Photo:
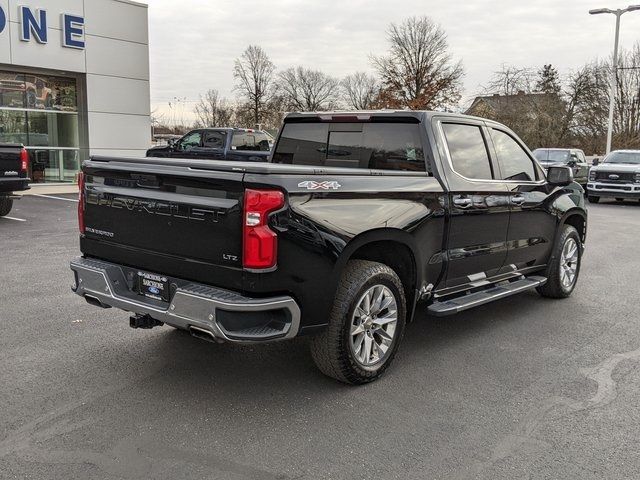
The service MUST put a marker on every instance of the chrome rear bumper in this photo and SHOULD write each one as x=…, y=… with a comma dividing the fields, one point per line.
x=226, y=315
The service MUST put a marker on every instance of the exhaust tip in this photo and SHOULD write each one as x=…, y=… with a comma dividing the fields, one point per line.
x=203, y=334
x=95, y=301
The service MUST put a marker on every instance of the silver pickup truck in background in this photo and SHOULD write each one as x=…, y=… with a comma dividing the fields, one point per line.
x=617, y=176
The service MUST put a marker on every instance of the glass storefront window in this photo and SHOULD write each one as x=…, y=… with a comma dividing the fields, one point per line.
x=13, y=126
x=40, y=111
x=52, y=129
x=41, y=92
x=48, y=165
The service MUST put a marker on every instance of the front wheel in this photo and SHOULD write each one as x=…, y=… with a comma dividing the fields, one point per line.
x=366, y=324
x=564, y=265
x=593, y=199
x=6, y=204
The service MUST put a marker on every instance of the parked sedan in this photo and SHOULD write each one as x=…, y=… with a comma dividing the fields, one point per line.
x=571, y=157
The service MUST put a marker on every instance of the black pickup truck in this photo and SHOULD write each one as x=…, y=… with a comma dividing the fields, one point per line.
x=238, y=144
x=357, y=218
x=14, y=174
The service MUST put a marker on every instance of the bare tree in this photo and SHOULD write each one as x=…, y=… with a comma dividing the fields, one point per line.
x=254, y=75
x=529, y=103
x=627, y=103
x=307, y=90
x=587, y=98
x=360, y=90
x=213, y=111
x=510, y=80
x=418, y=71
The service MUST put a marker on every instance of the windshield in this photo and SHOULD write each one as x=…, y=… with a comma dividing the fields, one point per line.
x=552, y=155
x=632, y=158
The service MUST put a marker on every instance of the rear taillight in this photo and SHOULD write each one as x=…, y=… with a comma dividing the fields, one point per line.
x=24, y=160
x=260, y=243
x=81, y=202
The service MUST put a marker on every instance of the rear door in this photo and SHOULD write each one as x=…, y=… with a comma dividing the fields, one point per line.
x=164, y=218
x=212, y=146
x=249, y=146
x=532, y=226
x=478, y=204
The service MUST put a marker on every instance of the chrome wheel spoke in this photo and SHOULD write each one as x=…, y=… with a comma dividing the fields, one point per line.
x=382, y=333
x=388, y=318
x=356, y=329
x=366, y=349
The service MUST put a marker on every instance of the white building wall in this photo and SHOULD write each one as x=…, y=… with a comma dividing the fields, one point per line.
x=115, y=61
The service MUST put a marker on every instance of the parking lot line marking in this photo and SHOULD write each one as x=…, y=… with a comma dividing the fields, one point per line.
x=16, y=219
x=56, y=198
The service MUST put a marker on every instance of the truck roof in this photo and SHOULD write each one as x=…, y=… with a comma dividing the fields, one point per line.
x=420, y=115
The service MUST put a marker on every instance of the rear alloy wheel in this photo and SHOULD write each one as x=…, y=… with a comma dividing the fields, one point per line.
x=564, y=265
x=593, y=199
x=6, y=204
x=373, y=326
x=366, y=324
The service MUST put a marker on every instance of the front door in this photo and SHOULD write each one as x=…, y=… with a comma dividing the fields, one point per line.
x=532, y=226
x=186, y=145
x=479, y=207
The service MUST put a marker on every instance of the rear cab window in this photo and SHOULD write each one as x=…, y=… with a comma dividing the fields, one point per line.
x=249, y=141
x=375, y=145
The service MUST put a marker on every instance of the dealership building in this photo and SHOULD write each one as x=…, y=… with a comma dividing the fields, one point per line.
x=74, y=81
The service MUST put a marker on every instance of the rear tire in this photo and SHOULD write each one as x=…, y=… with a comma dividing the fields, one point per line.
x=6, y=204
x=593, y=199
x=361, y=339
x=564, y=265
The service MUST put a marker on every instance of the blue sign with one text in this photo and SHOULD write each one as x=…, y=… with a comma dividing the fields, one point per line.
x=33, y=24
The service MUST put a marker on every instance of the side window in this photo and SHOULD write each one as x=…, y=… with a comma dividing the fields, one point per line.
x=250, y=142
x=514, y=162
x=468, y=150
x=244, y=142
x=213, y=139
x=581, y=156
x=189, y=141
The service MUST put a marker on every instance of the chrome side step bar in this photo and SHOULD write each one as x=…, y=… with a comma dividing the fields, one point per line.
x=465, y=302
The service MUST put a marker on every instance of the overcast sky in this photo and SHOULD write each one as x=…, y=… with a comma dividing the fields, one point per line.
x=193, y=43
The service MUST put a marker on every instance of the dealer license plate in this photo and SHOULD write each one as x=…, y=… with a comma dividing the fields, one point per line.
x=153, y=286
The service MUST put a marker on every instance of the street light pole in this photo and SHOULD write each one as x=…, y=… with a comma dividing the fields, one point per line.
x=614, y=74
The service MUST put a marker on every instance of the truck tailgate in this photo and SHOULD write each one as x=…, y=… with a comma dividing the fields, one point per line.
x=10, y=160
x=165, y=219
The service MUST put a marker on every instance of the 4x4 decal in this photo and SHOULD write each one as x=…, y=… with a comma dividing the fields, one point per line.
x=313, y=185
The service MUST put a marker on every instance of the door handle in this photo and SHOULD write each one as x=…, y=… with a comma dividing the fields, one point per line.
x=462, y=202
x=517, y=200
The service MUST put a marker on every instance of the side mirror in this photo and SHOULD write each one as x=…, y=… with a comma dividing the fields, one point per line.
x=171, y=142
x=596, y=162
x=560, y=176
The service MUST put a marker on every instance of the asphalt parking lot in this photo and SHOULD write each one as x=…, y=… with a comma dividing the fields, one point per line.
x=523, y=388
